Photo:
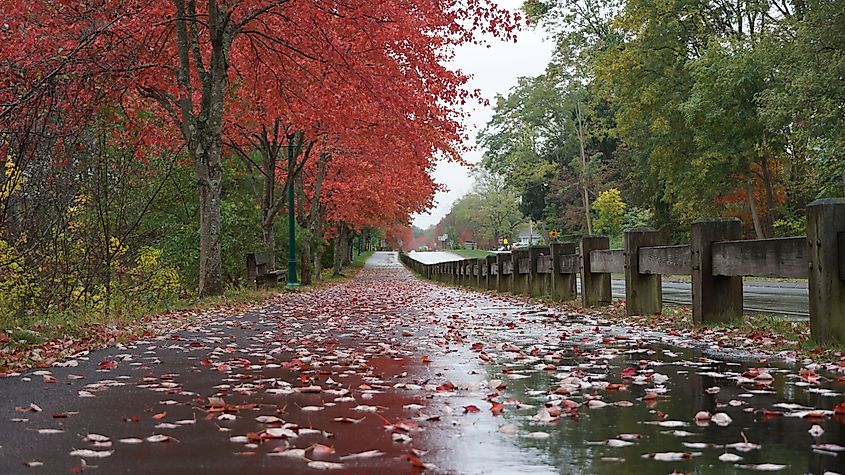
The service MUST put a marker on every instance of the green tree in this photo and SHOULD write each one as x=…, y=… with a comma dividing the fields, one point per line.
x=610, y=211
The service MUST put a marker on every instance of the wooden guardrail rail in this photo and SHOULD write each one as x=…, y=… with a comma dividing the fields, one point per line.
x=716, y=258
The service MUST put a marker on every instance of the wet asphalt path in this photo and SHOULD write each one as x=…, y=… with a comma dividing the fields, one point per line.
x=388, y=374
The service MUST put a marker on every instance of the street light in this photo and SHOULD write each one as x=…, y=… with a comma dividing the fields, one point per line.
x=293, y=282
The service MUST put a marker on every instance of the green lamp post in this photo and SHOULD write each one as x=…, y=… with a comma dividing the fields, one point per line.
x=293, y=281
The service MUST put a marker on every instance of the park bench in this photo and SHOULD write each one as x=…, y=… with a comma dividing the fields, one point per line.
x=258, y=271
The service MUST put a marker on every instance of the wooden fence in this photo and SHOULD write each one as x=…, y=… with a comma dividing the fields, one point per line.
x=716, y=259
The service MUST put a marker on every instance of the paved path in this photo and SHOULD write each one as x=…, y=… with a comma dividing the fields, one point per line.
x=388, y=374
x=435, y=257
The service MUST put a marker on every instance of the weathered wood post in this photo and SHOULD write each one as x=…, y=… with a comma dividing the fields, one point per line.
x=714, y=298
x=563, y=286
x=643, y=293
x=502, y=280
x=520, y=272
x=536, y=281
x=476, y=272
x=492, y=268
x=826, y=258
x=595, y=288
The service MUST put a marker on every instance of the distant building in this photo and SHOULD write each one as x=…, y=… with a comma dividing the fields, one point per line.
x=527, y=238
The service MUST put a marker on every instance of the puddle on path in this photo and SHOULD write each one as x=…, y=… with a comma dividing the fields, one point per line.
x=620, y=401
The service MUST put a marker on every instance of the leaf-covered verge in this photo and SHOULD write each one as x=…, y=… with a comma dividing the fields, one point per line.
x=42, y=342
x=755, y=336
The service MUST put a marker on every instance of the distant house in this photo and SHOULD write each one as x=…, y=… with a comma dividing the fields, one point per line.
x=526, y=238
x=470, y=245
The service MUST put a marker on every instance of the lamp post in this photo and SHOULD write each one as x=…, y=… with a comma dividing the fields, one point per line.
x=293, y=281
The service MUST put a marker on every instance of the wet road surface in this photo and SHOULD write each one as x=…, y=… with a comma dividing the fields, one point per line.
x=387, y=374
x=781, y=298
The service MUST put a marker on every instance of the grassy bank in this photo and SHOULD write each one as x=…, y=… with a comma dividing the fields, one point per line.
x=471, y=253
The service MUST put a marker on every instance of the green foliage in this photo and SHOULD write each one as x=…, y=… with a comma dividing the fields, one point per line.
x=610, y=210
x=635, y=217
x=18, y=290
x=156, y=280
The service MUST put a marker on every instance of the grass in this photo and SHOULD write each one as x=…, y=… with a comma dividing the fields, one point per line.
x=79, y=323
x=471, y=253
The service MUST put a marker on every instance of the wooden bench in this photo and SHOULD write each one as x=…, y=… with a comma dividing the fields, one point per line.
x=258, y=271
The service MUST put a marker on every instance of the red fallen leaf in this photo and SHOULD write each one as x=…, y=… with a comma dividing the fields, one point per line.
x=160, y=416
x=320, y=451
x=132, y=419
x=768, y=413
x=649, y=396
x=425, y=359
x=447, y=386
x=497, y=408
x=407, y=333
x=477, y=346
x=107, y=364
x=471, y=408
x=484, y=356
x=814, y=415
x=406, y=425
x=59, y=415
x=223, y=367
x=4, y=338
x=629, y=372
x=48, y=379
x=616, y=387
x=205, y=362
x=415, y=461
x=809, y=375
x=839, y=408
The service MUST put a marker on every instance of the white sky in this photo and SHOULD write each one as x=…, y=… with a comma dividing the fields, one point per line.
x=494, y=71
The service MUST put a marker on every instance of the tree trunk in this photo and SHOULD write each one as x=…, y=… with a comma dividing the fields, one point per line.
x=749, y=190
x=770, y=194
x=268, y=201
x=339, y=241
x=305, y=262
x=584, y=190
x=268, y=235
x=210, y=184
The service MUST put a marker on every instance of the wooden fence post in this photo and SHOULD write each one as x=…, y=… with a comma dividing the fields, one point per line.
x=537, y=282
x=563, y=286
x=491, y=268
x=520, y=281
x=826, y=259
x=595, y=288
x=714, y=298
x=502, y=280
x=476, y=272
x=643, y=292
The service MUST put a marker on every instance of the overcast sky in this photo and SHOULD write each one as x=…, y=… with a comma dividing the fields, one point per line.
x=495, y=70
